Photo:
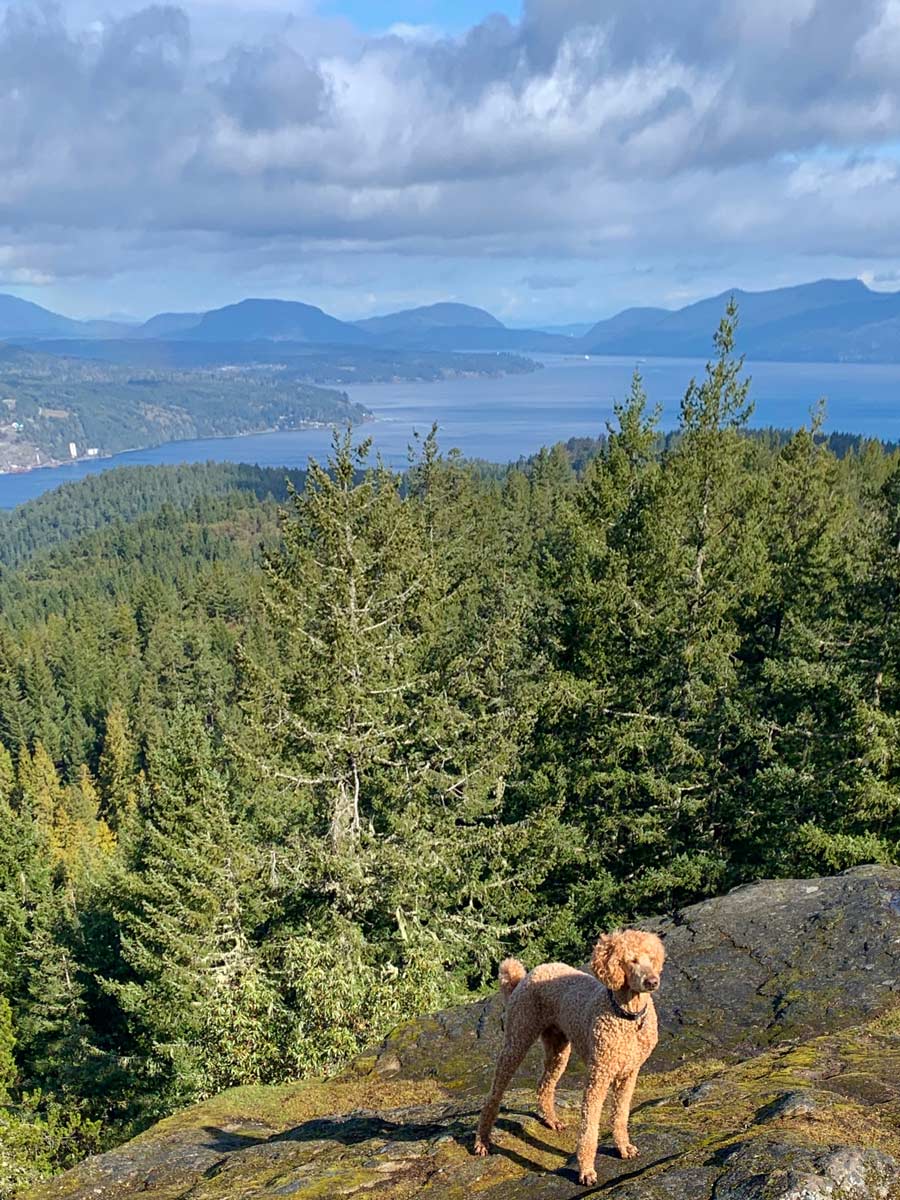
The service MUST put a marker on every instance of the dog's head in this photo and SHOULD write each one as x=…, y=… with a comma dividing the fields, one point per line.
x=631, y=959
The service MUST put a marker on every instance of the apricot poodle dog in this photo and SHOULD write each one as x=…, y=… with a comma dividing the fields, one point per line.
x=610, y=1020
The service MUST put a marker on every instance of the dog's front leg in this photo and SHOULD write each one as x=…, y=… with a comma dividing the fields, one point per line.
x=591, y=1108
x=623, y=1090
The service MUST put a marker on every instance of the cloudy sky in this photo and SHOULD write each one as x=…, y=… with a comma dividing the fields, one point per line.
x=552, y=160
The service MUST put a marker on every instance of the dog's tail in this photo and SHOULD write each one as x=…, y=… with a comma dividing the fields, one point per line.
x=511, y=973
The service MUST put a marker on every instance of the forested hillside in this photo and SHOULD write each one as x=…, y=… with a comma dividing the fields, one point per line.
x=49, y=403
x=269, y=783
x=124, y=495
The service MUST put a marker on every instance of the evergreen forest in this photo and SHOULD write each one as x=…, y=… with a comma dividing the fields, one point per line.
x=285, y=761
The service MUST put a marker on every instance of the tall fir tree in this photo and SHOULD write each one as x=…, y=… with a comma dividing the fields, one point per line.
x=185, y=904
x=57, y=1042
x=394, y=727
x=9, y=1071
x=345, y=594
x=117, y=769
x=83, y=840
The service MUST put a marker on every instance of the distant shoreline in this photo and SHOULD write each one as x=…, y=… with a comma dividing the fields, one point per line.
x=58, y=464
x=501, y=420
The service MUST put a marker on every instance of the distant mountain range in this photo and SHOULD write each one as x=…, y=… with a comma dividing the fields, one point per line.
x=830, y=320
x=433, y=316
x=21, y=318
x=165, y=325
x=437, y=328
x=833, y=320
x=273, y=320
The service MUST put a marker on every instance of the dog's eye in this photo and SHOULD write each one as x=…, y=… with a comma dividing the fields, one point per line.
x=634, y=962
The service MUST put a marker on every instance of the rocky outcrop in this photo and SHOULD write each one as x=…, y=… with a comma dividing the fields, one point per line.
x=777, y=1077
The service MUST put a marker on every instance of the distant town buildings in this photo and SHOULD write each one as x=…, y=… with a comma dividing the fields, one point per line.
x=73, y=450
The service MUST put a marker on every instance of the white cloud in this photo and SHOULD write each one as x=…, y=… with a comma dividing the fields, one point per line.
x=422, y=34
x=234, y=128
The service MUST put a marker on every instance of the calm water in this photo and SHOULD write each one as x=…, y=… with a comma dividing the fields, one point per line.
x=501, y=419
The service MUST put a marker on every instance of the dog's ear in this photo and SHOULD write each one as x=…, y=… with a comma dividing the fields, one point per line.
x=606, y=961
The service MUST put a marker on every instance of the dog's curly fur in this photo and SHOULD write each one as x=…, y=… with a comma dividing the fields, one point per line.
x=566, y=1007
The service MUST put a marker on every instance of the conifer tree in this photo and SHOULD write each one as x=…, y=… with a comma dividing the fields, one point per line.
x=41, y=793
x=550, y=480
x=8, y=1070
x=799, y=713
x=117, y=768
x=184, y=908
x=82, y=838
x=25, y=878
x=14, y=715
x=714, y=549
x=43, y=701
x=599, y=717
x=881, y=649
x=856, y=758
x=660, y=555
x=708, y=559
x=57, y=1043
x=810, y=533
x=602, y=579
x=401, y=706
x=345, y=594
x=7, y=774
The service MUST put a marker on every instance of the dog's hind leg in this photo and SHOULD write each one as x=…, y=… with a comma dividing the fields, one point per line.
x=557, y=1049
x=508, y=1063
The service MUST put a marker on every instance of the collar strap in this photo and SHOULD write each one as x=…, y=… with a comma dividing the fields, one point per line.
x=624, y=1013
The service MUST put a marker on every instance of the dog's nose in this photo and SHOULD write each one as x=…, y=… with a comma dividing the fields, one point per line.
x=652, y=982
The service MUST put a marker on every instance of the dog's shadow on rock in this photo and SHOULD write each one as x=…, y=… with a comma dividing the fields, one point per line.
x=351, y=1130
x=522, y=1134
x=616, y=1169
x=357, y=1128
x=567, y=1166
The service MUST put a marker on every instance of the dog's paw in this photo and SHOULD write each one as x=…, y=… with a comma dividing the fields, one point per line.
x=553, y=1123
x=587, y=1177
x=481, y=1148
x=629, y=1150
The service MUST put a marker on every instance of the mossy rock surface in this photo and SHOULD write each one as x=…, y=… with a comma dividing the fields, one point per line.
x=777, y=1078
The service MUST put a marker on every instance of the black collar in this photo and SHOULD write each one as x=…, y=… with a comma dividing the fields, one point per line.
x=624, y=1013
